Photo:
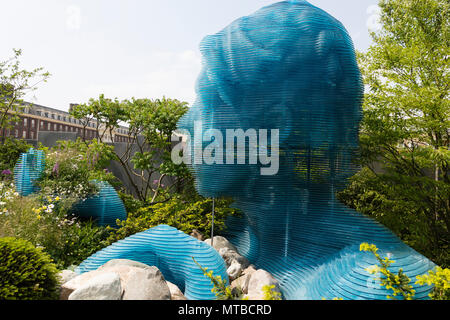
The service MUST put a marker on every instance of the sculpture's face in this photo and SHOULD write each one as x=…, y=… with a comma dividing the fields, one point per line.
x=289, y=66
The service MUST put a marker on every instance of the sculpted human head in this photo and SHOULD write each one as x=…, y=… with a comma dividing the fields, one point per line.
x=289, y=66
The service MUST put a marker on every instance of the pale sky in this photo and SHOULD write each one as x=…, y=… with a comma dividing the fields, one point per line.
x=133, y=48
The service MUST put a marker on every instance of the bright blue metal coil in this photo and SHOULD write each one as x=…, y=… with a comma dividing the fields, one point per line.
x=171, y=251
x=291, y=66
x=105, y=208
x=28, y=170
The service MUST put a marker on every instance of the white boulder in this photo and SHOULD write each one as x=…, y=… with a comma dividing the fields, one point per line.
x=105, y=286
x=258, y=280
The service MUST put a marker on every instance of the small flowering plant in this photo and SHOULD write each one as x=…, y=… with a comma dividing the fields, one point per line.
x=440, y=280
x=67, y=175
x=398, y=283
x=7, y=193
x=48, y=206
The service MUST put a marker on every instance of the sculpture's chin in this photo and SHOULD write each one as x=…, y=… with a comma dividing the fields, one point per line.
x=214, y=181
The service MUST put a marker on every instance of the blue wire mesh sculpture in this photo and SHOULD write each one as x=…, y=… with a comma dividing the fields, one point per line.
x=171, y=251
x=28, y=170
x=291, y=66
x=105, y=207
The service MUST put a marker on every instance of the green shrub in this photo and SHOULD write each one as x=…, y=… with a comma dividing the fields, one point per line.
x=131, y=203
x=71, y=167
x=440, y=280
x=178, y=213
x=400, y=212
x=270, y=293
x=67, y=175
x=10, y=151
x=45, y=222
x=400, y=283
x=221, y=288
x=26, y=272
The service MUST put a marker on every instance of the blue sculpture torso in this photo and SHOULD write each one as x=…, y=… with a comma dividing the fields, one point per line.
x=291, y=66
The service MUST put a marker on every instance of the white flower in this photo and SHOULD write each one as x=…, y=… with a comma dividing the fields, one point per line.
x=373, y=269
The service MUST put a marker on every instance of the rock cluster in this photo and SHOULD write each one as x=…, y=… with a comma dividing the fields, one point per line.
x=122, y=279
x=241, y=273
x=119, y=280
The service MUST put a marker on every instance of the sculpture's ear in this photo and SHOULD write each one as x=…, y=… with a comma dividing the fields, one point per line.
x=279, y=117
x=328, y=49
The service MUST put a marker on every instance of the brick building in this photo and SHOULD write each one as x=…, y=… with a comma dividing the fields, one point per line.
x=36, y=118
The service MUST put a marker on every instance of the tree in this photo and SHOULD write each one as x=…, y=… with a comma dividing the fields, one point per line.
x=15, y=83
x=406, y=123
x=151, y=124
x=108, y=114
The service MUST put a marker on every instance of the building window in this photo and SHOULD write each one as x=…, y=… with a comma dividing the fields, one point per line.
x=32, y=135
x=24, y=134
x=32, y=123
x=25, y=122
x=16, y=133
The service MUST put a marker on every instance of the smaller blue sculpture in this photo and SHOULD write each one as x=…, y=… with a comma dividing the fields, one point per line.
x=171, y=251
x=28, y=170
x=105, y=207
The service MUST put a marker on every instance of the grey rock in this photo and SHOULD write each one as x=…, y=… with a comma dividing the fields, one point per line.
x=234, y=270
x=250, y=269
x=105, y=286
x=66, y=275
x=258, y=280
x=175, y=292
x=197, y=235
x=70, y=286
x=241, y=282
x=138, y=281
x=231, y=256
x=141, y=283
x=123, y=262
x=221, y=242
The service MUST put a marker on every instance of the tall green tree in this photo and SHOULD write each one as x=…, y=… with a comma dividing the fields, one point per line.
x=406, y=125
x=147, y=152
x=15, y=83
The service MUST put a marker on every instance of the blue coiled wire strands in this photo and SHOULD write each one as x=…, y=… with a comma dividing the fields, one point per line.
x=291, y=66
x=28, y=170
x=170, y=250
